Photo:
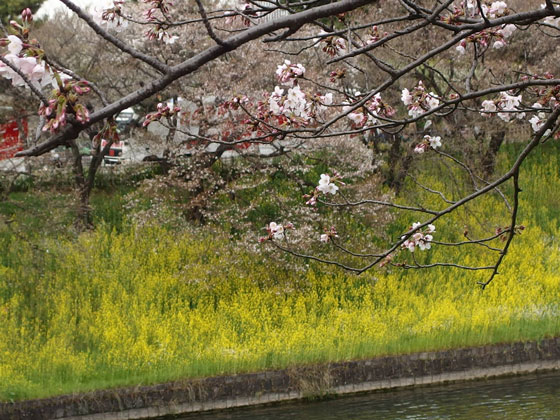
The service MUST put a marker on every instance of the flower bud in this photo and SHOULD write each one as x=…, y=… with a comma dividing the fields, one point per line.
x=27, y=15
x=15, y=25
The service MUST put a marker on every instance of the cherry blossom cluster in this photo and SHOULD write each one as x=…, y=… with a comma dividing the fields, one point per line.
x=295, y=104
x=333, y=45
x=375, y=35
x=337, y=74
x=233, y=104
x=518, y=229
x=27, y=15
x=288, y=73
x=24, y=55
x=108, y=15
x=163, y=110
x=538, y=120
x=428, y=142
x=496, y=9
x=318, y=104
x=420, y=239
x=484, y=38
x=506, y=106
x=327, y=185
x=158, y=32
x=419, y=101
x=276, y=231
x=64, y=102
x=471, y=9
x=367, y=114
x=157, y=5
x=108, y=133
x=329, y=234
x=549, y=97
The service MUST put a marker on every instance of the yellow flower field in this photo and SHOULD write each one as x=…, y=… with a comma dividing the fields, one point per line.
x=149, y=305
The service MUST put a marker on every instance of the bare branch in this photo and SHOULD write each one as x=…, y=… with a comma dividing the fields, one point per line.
x=151, y=61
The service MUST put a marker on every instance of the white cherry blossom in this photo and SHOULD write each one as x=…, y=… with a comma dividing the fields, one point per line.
x=105, y=14
x=287, y=73
x=420, y=239
x=15, y=46
x=406, y=97
x=326, y=186
x=487, y=108
x=435, y=141
x=497, y=9
x=276, y=230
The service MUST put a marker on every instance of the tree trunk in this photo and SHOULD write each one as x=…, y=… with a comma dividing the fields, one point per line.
x=489, y=158
x=399, y=163
x=84, y=220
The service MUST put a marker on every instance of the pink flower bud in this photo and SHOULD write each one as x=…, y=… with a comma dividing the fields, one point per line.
x=27, y=15
x=15, y=25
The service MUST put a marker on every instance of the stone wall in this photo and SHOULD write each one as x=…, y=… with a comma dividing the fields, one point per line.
x=294, y=383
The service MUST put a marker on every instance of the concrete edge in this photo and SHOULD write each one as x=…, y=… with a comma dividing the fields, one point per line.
x=218, y=393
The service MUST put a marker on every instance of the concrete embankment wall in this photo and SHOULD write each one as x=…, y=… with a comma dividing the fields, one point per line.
x=294, y=383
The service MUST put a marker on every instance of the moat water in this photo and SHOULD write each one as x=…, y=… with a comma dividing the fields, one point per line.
x=529, y=397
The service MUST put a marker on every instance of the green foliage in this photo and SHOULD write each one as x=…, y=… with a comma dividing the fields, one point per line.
x=11, y=9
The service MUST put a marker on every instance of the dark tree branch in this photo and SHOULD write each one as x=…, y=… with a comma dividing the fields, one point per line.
x=151, y=61
x=207, y=24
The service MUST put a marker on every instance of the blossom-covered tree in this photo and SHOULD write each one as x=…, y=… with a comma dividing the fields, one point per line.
x=353, y=68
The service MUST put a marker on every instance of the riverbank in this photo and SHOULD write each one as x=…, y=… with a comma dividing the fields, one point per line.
x=312, y=381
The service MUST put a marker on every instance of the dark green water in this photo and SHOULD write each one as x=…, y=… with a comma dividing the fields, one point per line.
x=531, y=397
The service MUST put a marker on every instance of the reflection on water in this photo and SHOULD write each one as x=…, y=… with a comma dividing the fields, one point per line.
x=531, y=397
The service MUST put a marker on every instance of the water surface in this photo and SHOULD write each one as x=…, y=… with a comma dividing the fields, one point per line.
x=530, y=397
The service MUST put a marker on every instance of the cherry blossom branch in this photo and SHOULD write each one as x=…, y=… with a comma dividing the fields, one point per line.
x=207, y=24
x=315, y=258
x=462, y=267
x=425, y=188
x=352, y=253
x=192, y=64
x=28, y=82
x=512, y=173
x=151, y=61
x=516, y=191
x=348, y=203
x=481, y=242
x=75, y=76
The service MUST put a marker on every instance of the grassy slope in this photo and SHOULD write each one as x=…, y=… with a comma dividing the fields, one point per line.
x=127, y=306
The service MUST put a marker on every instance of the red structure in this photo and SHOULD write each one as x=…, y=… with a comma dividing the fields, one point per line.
x=10, y=142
